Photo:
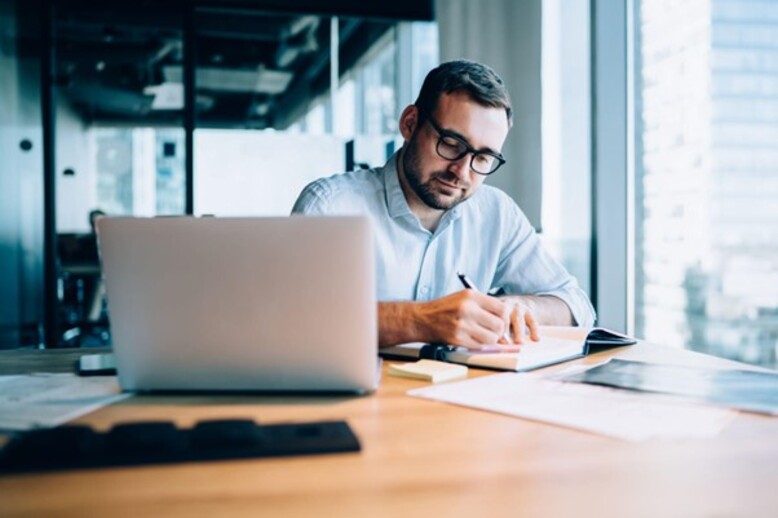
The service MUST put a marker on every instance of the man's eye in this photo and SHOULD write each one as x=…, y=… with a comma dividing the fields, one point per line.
x=484, y=159
x=452, y=143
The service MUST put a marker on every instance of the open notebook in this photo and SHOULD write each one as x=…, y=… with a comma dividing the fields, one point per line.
x=556, y=345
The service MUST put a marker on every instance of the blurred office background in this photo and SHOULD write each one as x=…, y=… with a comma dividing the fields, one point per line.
x=643, y=148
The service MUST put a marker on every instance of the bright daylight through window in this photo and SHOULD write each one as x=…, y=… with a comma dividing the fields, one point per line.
x=707, y=184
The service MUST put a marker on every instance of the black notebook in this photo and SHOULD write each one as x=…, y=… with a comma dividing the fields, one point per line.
x=556, y=345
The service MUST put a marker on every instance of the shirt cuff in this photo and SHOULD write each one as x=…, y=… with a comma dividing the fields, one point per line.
x=578, y=302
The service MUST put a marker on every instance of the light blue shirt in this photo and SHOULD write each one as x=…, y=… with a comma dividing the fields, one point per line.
x=487, y=237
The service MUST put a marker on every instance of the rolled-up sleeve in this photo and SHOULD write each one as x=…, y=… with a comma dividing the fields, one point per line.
x=527, y=268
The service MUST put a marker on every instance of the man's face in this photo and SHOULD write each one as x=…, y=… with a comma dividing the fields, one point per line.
x=439, y=183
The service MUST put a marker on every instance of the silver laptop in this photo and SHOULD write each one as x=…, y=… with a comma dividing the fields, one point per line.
x=242, y=304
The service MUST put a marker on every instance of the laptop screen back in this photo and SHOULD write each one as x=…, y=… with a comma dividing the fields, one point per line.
x=278, y=304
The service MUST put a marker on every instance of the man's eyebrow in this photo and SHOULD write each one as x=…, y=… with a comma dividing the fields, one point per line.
x=464, y=139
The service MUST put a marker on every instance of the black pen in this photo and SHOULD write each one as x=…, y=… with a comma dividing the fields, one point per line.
x=468, y=284
x=465, y=281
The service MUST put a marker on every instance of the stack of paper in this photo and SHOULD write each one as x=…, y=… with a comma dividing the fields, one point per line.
x=45, y=400
x=615, y=413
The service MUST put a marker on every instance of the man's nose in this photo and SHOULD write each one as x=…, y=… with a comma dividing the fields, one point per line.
x=461, y=167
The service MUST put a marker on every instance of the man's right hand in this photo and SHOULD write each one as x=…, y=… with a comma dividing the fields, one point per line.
x=465, y=318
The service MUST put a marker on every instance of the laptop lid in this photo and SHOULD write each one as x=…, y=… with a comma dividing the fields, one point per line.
x=271, y=304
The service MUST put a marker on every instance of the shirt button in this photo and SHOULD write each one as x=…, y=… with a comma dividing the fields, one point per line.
x=425, y=289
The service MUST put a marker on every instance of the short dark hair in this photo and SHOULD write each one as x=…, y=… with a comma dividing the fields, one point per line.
x=480, y=82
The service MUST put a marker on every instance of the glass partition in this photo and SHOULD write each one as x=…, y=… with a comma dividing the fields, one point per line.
x=119, y=139
x=104, y=102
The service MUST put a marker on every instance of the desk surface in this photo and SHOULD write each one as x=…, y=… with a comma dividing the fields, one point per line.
x=423, y=458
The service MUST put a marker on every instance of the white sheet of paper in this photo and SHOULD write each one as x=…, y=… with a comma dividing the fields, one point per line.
x=615, y=413
x=44, y=400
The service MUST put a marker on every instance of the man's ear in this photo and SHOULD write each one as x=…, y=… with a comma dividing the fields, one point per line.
x=408, y=121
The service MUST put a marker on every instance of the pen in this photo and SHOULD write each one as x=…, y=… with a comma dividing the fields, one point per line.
x=465, y=281
x=468, y=284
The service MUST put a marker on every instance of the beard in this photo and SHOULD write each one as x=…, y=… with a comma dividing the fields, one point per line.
x=428, y=191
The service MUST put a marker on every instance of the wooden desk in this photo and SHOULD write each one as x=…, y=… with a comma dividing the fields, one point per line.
x=423, y=458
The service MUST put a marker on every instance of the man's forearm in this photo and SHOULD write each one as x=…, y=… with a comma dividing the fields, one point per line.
x=433, y=321
x=547, y=309
x=398, y=323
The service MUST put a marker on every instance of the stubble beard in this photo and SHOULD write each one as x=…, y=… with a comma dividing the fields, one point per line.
x=426, y=191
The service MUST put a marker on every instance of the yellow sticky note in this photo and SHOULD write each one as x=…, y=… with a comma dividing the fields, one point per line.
x=429, y=370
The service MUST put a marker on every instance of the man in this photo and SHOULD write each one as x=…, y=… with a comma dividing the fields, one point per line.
x=433, y=218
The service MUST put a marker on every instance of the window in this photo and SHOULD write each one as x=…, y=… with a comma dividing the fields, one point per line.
x=565, y=74
x=707, y=176
x=261, y=172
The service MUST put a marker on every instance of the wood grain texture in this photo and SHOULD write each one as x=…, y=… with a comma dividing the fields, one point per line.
x=423, y=458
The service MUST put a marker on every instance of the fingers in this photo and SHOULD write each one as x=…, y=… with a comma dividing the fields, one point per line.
x=519, y=330
x=532, y=324
x=523, y=323
x=514, y=315
x=483, y=319
x=516, y=325
x=473, y=319
x=486, y=329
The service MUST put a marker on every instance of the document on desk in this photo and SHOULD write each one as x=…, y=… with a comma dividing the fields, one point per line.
x=619, y=414
x=750, y=390
x=44, y=400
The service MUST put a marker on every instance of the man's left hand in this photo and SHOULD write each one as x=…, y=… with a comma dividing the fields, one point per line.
x=521, y=321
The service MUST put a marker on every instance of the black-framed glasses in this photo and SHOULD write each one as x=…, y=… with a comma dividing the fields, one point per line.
x=452, y=147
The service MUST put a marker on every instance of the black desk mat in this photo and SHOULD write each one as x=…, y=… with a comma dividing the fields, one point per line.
x=161, y=442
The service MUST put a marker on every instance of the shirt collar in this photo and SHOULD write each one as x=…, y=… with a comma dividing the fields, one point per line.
x=395, y=197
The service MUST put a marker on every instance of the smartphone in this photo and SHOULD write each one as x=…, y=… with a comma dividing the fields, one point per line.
x=96, y=365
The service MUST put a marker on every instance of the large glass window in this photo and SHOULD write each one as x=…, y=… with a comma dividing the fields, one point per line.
x=566, y=208
x=261, y=139
x=301, y=136
x=140, y=171
x=119, y=116
x=104, y=106
x=119, y=139
x=707, y=176
x=379, y=93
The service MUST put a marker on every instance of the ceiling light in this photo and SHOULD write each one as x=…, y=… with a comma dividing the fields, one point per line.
x=262, y=80
x=167, y=96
